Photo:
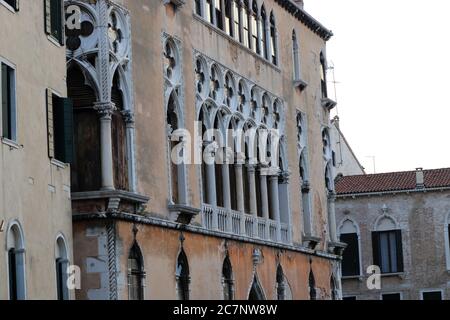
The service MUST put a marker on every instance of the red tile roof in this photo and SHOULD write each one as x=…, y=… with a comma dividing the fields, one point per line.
x=394, y=181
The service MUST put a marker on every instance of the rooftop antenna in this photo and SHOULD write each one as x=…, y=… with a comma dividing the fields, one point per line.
x=374, y=163
x=334, y=82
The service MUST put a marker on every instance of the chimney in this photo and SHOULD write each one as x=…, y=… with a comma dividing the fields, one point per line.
x=420, y=179
x=299, y=3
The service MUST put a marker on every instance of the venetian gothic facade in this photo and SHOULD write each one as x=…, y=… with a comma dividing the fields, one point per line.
x=234, y=89
x=153, y=79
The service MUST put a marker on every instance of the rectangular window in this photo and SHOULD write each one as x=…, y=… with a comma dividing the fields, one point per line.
x=237, y=33
x=255, y=44
x=12, y=3
x=60, y=128
x=350, y=261
x=218, y=10
x=391, y=296
x=228, y=21
x=54, y=19
x=349, y=298
x=8, y=99
x=432, y=295
x=245, y=27
x=388, y=251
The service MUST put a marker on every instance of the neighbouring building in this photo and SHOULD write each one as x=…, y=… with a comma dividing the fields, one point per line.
x=145, y=227
x=35, y=118
x=399, y=222
x=345, y=161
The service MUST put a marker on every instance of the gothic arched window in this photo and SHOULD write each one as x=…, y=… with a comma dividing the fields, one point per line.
x=281, y=284
x=246, y=24
x=136, y=273
x=227, y=278
x=183, y=276
x=273, y=39
x=263, y=27
x=312, y=287
x=255, y=25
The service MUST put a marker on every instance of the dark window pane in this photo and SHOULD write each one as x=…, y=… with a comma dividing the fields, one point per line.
x=392, y=296
x=350, y=262
x=436, y=295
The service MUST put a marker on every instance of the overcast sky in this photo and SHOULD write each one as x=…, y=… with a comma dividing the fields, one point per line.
x=392, y=65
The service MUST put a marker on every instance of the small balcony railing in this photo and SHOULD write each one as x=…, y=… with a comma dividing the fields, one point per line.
x=237, y=223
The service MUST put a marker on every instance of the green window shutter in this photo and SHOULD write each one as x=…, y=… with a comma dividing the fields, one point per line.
x=68, y=130
x=50, y=122
x=47, y=16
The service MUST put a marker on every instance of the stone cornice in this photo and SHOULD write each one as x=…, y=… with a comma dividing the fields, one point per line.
x=306, y=19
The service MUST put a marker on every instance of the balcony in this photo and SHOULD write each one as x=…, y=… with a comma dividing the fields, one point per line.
x=239, y=224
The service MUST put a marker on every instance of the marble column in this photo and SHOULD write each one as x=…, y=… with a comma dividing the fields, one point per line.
x=106, y=109
x=275, y=203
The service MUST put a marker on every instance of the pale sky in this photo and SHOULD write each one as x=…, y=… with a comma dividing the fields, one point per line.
x=392, y=65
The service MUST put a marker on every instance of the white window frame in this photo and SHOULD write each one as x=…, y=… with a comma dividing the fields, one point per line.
x=432, y=291
x=16, y=223
x=7, y=6
x=14, y=124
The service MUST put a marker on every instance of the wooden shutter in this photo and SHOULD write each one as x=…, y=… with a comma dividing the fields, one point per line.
x=50, y=123
x=398, y=238
x=376, y=249
x=68, y=130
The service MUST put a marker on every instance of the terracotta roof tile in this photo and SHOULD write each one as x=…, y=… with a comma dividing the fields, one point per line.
x=394, y=181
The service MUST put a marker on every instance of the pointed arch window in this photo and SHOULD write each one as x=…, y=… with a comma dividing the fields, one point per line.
x=182, y=276
x=312, y=287
x=254, y=27
x=227, y=278
x=281, y=284
x=136, y=273
x=273, y=40
x=246, y=24
x=263, y=27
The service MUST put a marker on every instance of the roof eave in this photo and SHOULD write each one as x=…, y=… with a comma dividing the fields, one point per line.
x=306, y=19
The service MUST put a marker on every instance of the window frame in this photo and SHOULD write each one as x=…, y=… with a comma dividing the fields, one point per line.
x=10, y=7
x=425, y=291
x=13, y=108
x=377, y=251
x=59, y=38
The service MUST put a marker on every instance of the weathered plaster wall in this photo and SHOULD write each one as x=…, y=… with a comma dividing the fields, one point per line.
x=149, y=19
x=32, y=190
x=422, y=217
x=160, y=248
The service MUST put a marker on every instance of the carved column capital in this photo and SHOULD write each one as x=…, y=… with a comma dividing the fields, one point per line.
x=128, y=117
x=105, y=109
